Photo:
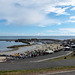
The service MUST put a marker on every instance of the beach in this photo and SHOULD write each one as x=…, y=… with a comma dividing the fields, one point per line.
x=23, y=49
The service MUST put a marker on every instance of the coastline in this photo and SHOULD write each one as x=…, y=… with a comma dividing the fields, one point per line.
x=32, y=48
x=21, y=50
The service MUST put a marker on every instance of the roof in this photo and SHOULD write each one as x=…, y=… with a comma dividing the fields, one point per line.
x=73, y=45
x=49, y=51
x=67, y=47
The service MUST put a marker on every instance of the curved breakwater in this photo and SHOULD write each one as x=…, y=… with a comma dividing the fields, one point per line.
x=21, y=50
x=5, y=44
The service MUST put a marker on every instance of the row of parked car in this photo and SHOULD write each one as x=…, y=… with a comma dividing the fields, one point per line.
x=31, y=54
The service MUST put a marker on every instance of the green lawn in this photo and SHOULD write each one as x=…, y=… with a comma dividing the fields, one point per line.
x=37, y=71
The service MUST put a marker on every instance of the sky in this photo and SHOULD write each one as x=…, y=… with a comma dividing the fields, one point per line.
x=37, y=17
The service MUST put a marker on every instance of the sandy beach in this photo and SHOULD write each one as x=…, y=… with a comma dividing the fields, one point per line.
x=32, y=48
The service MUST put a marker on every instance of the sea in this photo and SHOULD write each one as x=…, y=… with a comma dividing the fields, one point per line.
x=5, y=44
x=38, y=37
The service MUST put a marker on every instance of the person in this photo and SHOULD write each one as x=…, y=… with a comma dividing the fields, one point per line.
x=65, y=58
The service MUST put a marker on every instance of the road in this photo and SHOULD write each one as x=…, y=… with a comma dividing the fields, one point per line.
x=27, y=64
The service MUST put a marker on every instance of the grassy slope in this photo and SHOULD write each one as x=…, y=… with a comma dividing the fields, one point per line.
x=37, y=71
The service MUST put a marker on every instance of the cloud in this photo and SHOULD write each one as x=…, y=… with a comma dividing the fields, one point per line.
x=33, y=12
x=58, y=11
x=73, y=8
x=15, y=34
x=67, y=30
x=49, y=22
x=71, y=19
x=54, y=31
x=61, y=32
x=50, y=31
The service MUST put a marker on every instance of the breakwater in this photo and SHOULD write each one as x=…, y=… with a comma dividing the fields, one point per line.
x=36, y=40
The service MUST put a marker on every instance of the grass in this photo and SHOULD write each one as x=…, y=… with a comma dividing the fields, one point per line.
x=62, y=58
x=37, y=71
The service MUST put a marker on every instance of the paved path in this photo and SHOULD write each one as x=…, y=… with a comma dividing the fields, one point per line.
x=62, y=73
x=45, y=57
x=27, y=64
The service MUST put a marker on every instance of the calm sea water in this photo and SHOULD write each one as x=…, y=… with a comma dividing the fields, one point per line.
x=4, y=44
x=38, y=37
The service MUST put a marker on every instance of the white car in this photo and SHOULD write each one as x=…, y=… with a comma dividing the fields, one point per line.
x=49, y=51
